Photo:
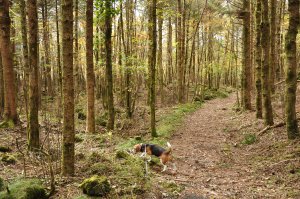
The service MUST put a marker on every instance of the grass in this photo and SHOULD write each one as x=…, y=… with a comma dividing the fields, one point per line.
x=249, y=139
x=166, y=125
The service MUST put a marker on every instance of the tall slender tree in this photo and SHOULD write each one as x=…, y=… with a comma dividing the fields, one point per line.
x=90, y=77
x=258, y=61
x=246, y=70
x=33, y=124
x=266, y=87
x=10, y=106
x=152, y=62
x=68, y=89
x=109, y=76
x=291, y=69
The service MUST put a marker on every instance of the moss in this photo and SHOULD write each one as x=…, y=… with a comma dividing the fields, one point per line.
x=249, y=139
x=101, y=168
x=7, y=124
x=172, y=188
x=120, y=154
x=8, y=159
x=78, y=138
x=25, y=189
x=5, y=149
x=2, y=186
x=96, y=186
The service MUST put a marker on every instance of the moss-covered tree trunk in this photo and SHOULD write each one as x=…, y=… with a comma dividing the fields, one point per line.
x=90, y=76
x=291, y=69
x=33, y=124
x=109, y=76
x=266, y=87
x=10, y=106
x=258, y=61
x=246, y=70
x=68, y=89
x=152, y=61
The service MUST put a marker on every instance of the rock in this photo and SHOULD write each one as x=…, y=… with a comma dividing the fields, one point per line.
x=96, y=186
x=8, y=159
x=5, y=149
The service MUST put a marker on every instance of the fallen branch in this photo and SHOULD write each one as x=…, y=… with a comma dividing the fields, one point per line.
x=270, y=127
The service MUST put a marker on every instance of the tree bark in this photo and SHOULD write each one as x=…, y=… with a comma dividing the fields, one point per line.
x=246, y=70
x=273, y=44
x=159, y=57
x=258, y=61
x=10, y=107
x=266, y=88
x=291, y=69
x=68, y=89
x=90, y=76
x=109, y=76
x=152, y=62
x=33, y=124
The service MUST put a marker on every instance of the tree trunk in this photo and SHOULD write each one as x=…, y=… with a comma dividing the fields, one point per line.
x=68, y=89
x=291, y=69
x=152, y=61
x=25, y=54
x=169, y=50
x=258, y=61
x=109, y=76
x=58, y=51
x=90, y=76
x=10, y=107
x=1, y=89
x=273, y=44
x=159, y=57
x=33, y=124
x=246, y=70
x=180, y=53
x=46, y=40
x=266, y=88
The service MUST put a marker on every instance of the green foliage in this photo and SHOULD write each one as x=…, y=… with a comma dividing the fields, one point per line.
x=210, y=94
x=102, y=119
x=120, y=154
x=249, y=139
x=78, y=138
x=25, y=189
x=7, y=124
x=96, y=186
x=172, y=187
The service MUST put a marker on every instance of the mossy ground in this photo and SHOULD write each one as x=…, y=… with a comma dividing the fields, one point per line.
x=25, y=189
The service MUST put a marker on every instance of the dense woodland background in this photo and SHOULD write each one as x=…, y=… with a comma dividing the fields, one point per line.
x=73, y=68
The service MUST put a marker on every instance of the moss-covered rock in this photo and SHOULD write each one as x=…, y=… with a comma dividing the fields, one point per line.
x=25, y=189
x=8, y=159
x=96, y=186
x=5, y=149
x=7, y=124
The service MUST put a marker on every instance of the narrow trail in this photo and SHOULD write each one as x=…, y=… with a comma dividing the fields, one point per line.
x=207, y=161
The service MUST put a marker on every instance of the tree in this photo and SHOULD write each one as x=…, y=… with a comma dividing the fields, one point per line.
x=291, y=69
x=68, y=152
x=246, y=70
x=266, y=88
x=258, y=61
x=152, y=61
x=10, y=106
x=90, y=77
x=33, y=124
x=109, y=76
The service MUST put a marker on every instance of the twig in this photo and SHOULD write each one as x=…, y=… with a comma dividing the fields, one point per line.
x=270, y=127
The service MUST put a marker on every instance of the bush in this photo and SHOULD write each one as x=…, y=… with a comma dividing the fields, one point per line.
x=249, y=139
x=96, y=186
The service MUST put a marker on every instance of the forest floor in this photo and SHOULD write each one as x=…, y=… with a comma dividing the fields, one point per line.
x=219, y=154
x=217, y=149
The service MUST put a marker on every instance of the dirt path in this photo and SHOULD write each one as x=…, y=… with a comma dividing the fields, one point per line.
x=209, y=163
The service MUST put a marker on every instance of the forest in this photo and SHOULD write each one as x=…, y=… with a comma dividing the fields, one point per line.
x=206, y=90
